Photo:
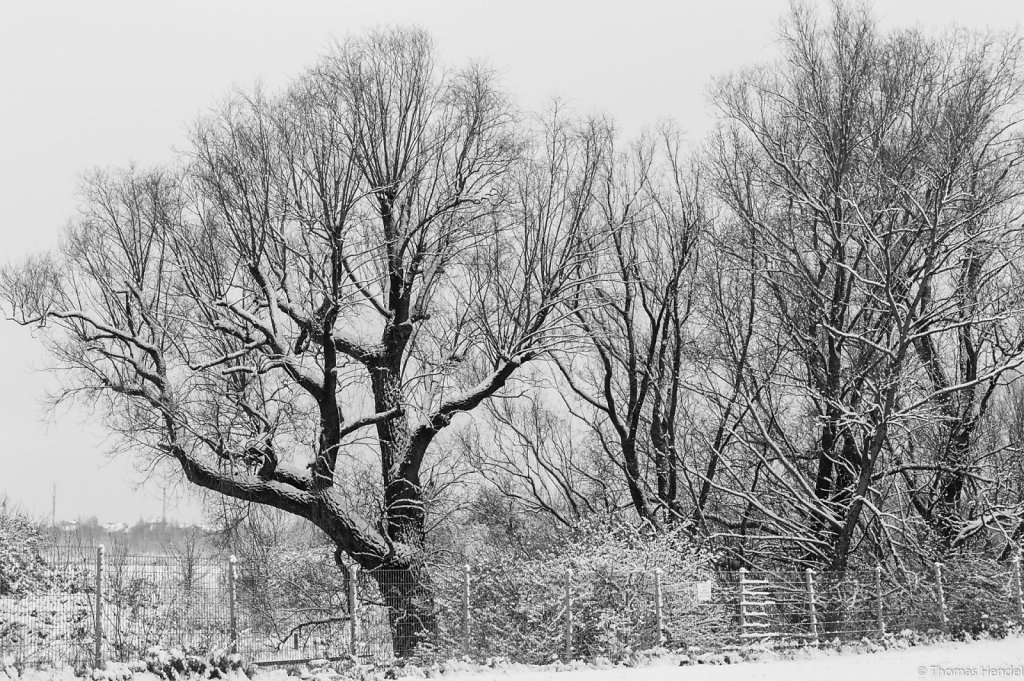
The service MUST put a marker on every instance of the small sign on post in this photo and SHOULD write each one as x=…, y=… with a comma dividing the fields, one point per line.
x=704, y=591
x=98, y=625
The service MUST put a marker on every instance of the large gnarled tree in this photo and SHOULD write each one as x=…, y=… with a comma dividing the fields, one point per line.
x=339, y=269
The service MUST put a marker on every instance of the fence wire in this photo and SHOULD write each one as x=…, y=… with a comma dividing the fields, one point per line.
x=315, y=610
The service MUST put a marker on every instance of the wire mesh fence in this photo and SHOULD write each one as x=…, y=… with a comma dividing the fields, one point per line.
x=114, y=606
x=151, y=600
x=55, y=625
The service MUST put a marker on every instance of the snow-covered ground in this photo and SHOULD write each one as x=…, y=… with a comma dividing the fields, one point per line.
x=1003, y=659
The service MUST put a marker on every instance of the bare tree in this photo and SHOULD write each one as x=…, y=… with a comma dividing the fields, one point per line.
x=530, y=452
x=626, y=375
x=873, y=176
x=336, y=272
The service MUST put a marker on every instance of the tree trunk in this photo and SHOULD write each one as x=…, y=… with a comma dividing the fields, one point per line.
x=408, y=594
x=948, y=485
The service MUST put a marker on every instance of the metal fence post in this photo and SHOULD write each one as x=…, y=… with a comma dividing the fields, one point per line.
x=743, y=603
x=98, y=625
x=812, y=607
x=232, y=608
x=1018, y=601
x=879, y=621
x=465, y=610
x=568, y=615
x=353, y=607
x=659, y=606
x=944, y=620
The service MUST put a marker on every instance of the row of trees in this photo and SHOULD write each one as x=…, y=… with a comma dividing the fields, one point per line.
x=805, y=343
x=799, y=342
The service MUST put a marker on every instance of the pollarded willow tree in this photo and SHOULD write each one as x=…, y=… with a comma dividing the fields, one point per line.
x=340, y=268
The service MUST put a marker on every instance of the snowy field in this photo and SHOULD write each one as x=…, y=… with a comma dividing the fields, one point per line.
x=1003, y=659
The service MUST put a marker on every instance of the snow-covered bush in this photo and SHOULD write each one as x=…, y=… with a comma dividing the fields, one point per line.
x=980, y=595
x=22, y=570
x=519, y=604
x=281, y=592
x=44, y=616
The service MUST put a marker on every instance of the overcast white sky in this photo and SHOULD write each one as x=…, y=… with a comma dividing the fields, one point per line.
x=105, y=82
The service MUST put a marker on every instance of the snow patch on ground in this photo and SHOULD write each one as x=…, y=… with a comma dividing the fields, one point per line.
x=983, y=659
x=986, y=659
